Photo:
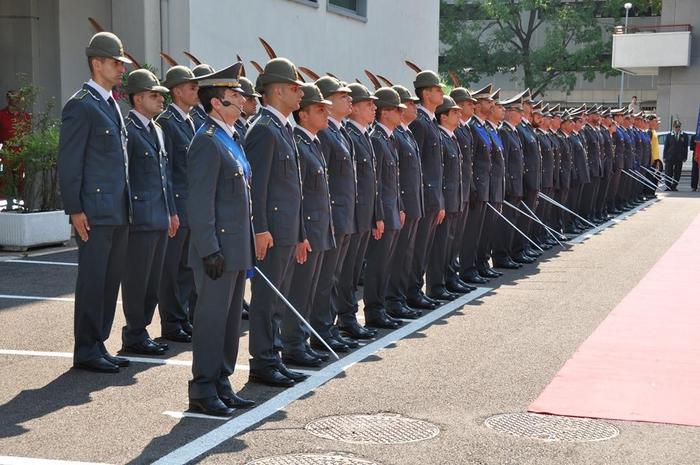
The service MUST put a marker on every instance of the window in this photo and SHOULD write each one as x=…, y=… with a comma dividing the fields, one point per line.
x=311, y=3
x=353, y=8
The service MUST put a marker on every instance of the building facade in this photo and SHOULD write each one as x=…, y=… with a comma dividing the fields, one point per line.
x=45, y=39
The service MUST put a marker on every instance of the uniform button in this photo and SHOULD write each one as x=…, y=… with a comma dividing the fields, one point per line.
x=98, y=189
x=223, y=230
x=308, y=218
x=106, y=131
x=164, y=189
x=136, y=197
x=332, y=201
x=274, y=209
x=177, y=195
x=146, y=153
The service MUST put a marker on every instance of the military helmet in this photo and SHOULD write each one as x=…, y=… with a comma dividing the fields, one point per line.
x=107, y=45
x=330, y=85
x=427, y=78
x=405, y=94
x=280, y=70
x=312, y=95
x=143, y=80
x=447, y=104
x=360, y=93
x=247, y=86
x=202, y=70
x=388, y=98
x=178, y=75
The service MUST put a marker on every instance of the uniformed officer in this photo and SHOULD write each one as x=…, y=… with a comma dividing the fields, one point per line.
x=614, y=197
x=480, y=192
x=197, y=113
x=566, y=174
x=466, y=102
x=429, y=90
x=589, y=194
x=311, y=117
x=503, y=250
x=94, y=179
x=390, y=214
x=608, y=160
x=277, y=217
x=581, y=174
x=250, y=106
x=154, y=215
x=411, y=180
x=540, y=122
x=345, y=296
x=334, y=295
x=222, y=244
x=177, y=294
x=448, y=115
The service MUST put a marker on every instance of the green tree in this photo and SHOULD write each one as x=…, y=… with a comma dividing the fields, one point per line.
x=485, y=37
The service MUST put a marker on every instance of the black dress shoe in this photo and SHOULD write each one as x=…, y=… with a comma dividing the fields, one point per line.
x=121, y=362
x=508, y=264
x=295, y=376
x=382, y=320
x=457, y=287
x=421, y=303
x=490, y=273
x=210, y=406
x=302, y=359
x=99, y=365
x=445, y=295
x=350, y=342
x=334, y=344
x=473, y=277
x=431, y=300
x=186, y=327
x=163, y=345
x=270, y=376
x=145, y=347
x=523, y=258
x=177, y=336
x=534, y=253
x=236, y=401
x=403, y=312
x=323, y=356
x=355, y=331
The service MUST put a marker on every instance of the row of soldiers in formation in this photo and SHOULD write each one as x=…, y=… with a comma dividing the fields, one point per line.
x=406, y=193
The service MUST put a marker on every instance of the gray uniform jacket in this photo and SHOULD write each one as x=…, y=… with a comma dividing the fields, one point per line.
x=532, y=176
x=318, y=223
x=581, y=174
x=555, y=143
x=618, y=150
x=452, y=187
x=389, y=204
x=514, y=160
x=567, y=163
x=92, y=160
x=481, y=159
x=427, y=135
x=498, y=168
x=590, y=137
x=367, y=194
x=607, y=152
x=341, y=178
x=411, y=173
x=219, y=200
x=148, y=174
x=547, y=151
x=466, y=147
x=676, y=150
x=276, y=181
x=177, y=135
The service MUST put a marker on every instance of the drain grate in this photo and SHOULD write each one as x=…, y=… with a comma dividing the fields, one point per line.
x=311, y=459
x=552, y=428
x=382, y=428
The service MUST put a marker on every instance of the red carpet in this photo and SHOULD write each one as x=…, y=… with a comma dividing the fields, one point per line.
x=643, y=362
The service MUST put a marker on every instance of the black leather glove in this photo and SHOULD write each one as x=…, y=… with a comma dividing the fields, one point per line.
x=214, y=265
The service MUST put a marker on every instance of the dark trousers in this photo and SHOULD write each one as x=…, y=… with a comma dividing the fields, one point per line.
x=345, y=298
x=379, y=255
x=177, y=294
x=694, y=175
x=217, y=327
x=544, y=213
x=301, y=295
x=324, y=310
x=488, y=232
x=424, y=243
x=673, y=170
x=101, y=263
x=588, y=196
x=601, y=202
x=401, y=270
x=471, y=237
x=559, y=216
x=266, y=309
x=524, y=223
x=505, y=244
x=573, y=205
x=456, y=245
x=439, y=259
x=144, y=265
x=613, y=192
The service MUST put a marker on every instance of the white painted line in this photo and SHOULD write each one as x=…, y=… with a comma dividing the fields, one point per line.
x=208, y=441
x=51, y=252
x=617, y=219
x=37, y=297
x=34, y=353
x=8, y=460
x=179, y=415
x=40, y=262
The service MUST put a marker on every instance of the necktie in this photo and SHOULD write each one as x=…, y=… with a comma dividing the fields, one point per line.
x=117, y=115
x=190, y=123
x=154, y=135
x=289, y=131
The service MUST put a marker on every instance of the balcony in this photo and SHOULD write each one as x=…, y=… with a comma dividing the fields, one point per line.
x=643, y=50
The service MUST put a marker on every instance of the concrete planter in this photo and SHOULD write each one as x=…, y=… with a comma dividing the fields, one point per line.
x=20, y=231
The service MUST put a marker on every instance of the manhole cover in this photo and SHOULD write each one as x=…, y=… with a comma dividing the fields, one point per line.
x=382, y=428
x=310, y=459
x=552, y=428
